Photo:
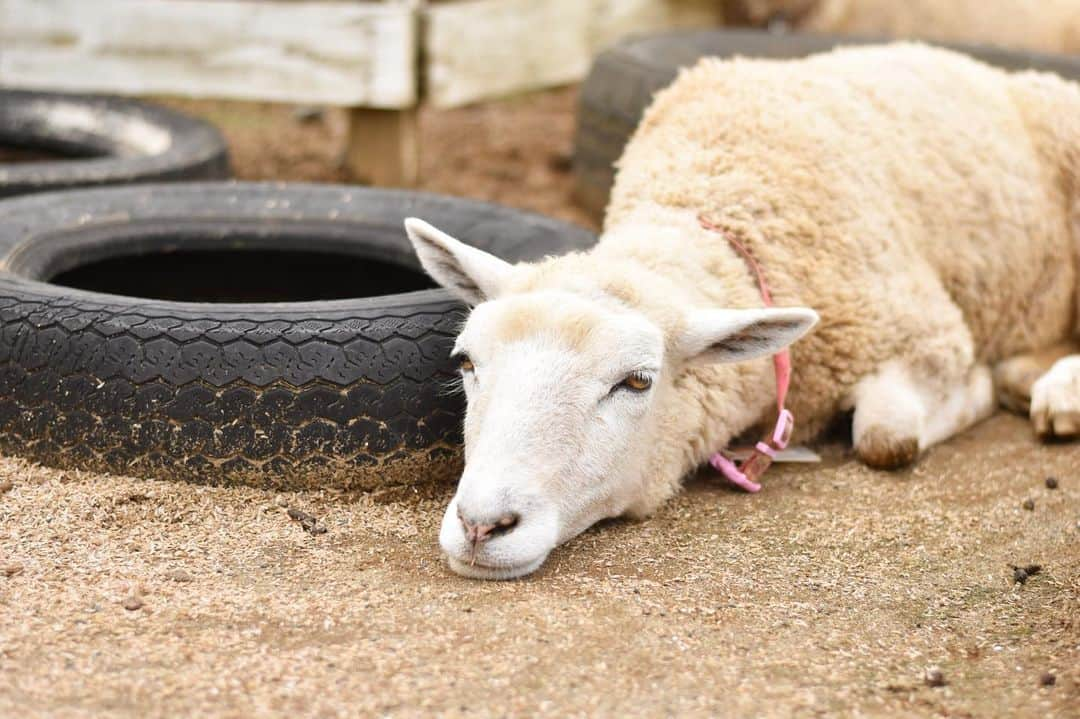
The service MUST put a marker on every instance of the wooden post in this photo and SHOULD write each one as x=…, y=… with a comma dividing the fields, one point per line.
x=383, y=147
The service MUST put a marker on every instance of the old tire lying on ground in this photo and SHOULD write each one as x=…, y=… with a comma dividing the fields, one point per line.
x=109, y=141
x=348, y=392
x=624, y=78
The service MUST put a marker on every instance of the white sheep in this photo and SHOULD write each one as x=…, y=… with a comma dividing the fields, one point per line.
x=924, y=204
x=1046, y=25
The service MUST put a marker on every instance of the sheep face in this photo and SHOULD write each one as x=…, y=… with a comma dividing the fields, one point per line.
x=560, y=396
x=566, y=395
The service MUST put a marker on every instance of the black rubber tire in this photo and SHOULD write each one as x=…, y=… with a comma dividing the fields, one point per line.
x=343, y=394
x=624, y=78
x=111, y=141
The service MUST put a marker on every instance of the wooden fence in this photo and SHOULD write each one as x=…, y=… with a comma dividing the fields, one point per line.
x=380, y=58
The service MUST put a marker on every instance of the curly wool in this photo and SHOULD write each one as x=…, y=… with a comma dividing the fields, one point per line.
x=923, y=203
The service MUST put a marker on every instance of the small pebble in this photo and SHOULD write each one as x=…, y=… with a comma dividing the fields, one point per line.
x=1047, y=680
x=132, y=603
x=10, y=570
x=1051, y=483
x=179, y=575
x=6, y=486
x=934, y=677
x=1021, y=574
x=309, y=523
x=1029, y=504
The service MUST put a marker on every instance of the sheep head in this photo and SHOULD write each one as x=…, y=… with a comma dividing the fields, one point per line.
x=566, y=390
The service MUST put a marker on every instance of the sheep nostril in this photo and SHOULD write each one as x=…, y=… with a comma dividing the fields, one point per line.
x=506, y=524
x=476, y=532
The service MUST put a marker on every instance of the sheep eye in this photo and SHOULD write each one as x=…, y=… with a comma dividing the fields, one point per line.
x=464, y=363
x=636, y=382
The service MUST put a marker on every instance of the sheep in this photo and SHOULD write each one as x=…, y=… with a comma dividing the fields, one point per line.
x=1047, y=25
x=924, y=205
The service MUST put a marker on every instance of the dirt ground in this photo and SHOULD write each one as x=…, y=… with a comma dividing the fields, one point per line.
x=830, y=593
x=515, y=152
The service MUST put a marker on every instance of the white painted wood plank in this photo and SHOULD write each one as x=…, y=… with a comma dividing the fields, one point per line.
x=483, y=48
x=337, y=53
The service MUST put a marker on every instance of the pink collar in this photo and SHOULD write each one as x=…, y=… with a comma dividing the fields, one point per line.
x=746, y=474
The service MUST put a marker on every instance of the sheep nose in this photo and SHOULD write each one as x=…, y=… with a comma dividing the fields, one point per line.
x=477, y=532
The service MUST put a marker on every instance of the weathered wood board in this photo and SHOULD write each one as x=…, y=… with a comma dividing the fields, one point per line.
x=335, y=53
x=478, y=49
x=358, y=53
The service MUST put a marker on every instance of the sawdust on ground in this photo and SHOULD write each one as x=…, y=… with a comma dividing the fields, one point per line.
x=831, y=592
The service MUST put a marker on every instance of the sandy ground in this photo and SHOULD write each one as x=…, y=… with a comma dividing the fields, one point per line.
x=831, y=592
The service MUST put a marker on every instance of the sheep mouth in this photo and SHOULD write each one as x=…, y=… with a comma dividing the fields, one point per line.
x=477, y=569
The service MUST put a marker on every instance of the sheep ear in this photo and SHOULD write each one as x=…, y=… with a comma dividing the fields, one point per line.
x=471, y=274
x=713, y=336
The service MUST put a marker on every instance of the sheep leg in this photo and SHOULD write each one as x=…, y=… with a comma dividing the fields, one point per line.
x=1055, y=400
x=1015, y=377
x=902, y=409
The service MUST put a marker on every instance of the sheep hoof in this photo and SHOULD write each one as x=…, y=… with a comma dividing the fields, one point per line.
x=1014, y=379
x=1055, y=401
x=880, y=448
